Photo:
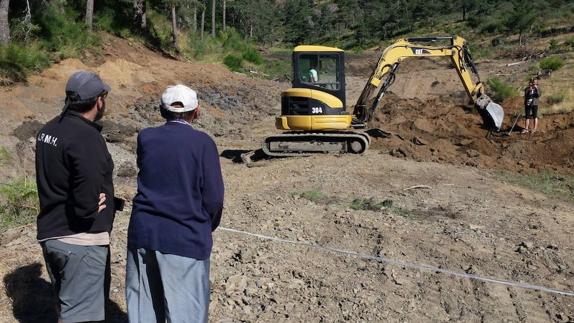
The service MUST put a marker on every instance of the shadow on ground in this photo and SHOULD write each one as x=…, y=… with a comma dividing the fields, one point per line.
x=33, y=299
x=244, y=156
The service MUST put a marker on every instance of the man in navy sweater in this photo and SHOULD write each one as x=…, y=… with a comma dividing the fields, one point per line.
x=177, y=206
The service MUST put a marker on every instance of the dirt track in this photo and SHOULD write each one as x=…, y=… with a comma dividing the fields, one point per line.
x=460, y=218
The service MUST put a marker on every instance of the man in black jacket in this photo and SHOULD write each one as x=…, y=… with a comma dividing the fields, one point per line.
x=74, y=178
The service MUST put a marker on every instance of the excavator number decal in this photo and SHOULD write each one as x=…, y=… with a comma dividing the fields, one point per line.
x=316, y=110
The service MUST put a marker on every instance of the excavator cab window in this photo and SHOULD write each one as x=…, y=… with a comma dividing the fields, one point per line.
x=319, y=70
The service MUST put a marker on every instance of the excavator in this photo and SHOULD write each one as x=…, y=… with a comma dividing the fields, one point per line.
x=313, y=112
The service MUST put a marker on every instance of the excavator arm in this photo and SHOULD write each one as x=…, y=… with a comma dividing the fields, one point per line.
x=383, y=76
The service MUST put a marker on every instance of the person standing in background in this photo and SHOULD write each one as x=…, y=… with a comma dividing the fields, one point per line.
x=531, y=99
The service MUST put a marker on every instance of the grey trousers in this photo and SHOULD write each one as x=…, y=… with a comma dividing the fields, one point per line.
x=163, y=287
x=78, y=276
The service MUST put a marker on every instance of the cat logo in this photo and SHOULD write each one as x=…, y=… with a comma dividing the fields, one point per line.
x=419, y=51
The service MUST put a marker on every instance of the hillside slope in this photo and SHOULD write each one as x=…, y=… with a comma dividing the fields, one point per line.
x=373, y=237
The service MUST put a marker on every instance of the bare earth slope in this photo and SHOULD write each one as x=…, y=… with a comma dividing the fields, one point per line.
x=438, y=211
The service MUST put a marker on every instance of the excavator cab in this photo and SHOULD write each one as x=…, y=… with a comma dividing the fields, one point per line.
x=323, y=71
x=317, y=99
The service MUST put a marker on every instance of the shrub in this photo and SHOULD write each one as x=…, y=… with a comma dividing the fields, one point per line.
x=233, y=62
x=19, y=203
x=553, y=45
x=555, y=98
x=232, y=40
x=251, y=55
x=492, y=26
x=500, y=89
x=551, y=63
x=159, y=30
x=113, y=20
x=570, y=42
x=62, y=33
x=16, y=61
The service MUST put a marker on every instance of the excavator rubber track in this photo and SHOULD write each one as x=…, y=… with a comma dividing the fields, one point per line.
x=308, y=143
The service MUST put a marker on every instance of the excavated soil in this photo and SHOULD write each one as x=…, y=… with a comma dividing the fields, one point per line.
x=384, y=236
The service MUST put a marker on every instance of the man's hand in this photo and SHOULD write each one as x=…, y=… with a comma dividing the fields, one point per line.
x=102, y=203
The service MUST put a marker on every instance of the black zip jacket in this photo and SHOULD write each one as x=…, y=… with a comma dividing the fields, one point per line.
x=73, y=166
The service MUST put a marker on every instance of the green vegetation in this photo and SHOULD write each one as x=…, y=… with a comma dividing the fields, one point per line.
x=370, y=204
x=251, y=55
x=311, y=195
x=58, y=29
x=500, y=89
x=19, y=203
x=17, y=61
x=402, y=212
x=4, y=156
x=549, y=183
x=551, y=63
x=233, y=62
x=555, y=98
x=53, y=35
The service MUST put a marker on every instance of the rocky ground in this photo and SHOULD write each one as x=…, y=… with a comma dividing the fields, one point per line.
x=353, y=236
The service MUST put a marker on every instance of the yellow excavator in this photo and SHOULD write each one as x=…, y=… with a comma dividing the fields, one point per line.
x=313, y=111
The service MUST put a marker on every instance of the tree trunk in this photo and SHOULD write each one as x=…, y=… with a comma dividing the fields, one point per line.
x=202, y=22
x=140, y=19
x=174, y=26
x=251, y=30
x=4, y=24
x=89, y=13
x=212, y=18
x=463, y=12
x=224, y=2
x=195, y=19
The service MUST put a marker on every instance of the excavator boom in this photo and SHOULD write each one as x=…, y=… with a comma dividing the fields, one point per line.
x=384, y=74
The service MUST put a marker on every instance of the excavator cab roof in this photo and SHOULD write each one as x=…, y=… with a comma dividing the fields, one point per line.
x=314, y=48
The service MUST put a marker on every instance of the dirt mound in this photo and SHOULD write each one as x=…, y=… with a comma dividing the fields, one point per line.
x=444, y=130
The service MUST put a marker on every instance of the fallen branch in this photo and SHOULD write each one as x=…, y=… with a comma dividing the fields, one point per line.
x=426, y=187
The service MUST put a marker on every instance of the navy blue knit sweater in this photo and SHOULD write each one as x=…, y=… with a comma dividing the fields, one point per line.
x=180, y=192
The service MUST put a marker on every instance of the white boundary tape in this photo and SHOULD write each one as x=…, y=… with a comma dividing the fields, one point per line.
x=421, y=267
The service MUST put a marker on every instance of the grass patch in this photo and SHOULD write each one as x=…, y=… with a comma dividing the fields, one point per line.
x=4, y=156
x=311, y=195
x=370, y=204
x=19, y=204
x=546, y=182
x=551, y=63
x=500, y=89
x=402, y=212
x=555, y=98
x=278, y=69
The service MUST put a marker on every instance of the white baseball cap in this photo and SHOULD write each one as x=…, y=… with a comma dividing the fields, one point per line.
x=179, y=94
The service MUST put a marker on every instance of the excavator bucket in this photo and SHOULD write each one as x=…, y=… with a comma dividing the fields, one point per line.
x=491, y=113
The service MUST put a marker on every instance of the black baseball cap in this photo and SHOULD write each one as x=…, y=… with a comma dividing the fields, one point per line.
x=84, y=86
